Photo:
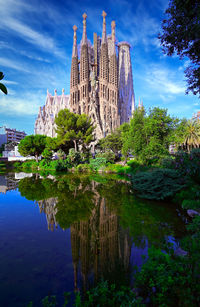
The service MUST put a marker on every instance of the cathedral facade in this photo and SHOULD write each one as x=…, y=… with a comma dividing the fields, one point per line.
x=101, y=84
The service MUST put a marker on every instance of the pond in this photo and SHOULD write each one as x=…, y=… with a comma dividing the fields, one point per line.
x=67, y=232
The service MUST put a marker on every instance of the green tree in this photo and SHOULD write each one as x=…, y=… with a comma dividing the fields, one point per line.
x=191, y=134
x=74, y=128
x=150, y=134
x=47, y=153
x=32, y=145
x=112, y=142
x=181, y=35
x=136, y=138
x=126, y=140
x=2, y=86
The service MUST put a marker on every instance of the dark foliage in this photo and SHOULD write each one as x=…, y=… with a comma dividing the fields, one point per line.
x=157, y=184
x=181, y=35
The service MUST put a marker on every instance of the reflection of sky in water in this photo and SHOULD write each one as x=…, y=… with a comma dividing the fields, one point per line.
x=35, y=261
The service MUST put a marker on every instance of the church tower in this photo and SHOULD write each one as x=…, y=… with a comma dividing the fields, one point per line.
x=74, y=93
x=84, y=72
x=113, y=83
x=103, y=81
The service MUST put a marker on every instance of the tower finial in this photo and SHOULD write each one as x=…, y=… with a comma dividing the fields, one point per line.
x=74, y=51
x=104, y=15
x=84, y=16
x=84, y=38
x=104, y=38
x=113, y=25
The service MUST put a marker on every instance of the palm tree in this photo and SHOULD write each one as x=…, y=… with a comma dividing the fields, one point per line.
x=192, y=134
x=2, y=86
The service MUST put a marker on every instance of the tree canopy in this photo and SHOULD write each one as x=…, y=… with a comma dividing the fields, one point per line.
x=32, y=145
x=74, y=128
x=181, y=35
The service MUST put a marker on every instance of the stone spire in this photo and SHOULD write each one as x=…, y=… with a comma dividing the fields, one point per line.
x=104, y=37
x=113, y=51
x=84, y=37
x=74, y=75
x=74, y=51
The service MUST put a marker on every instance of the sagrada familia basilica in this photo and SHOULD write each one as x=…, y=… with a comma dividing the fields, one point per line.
x=101, y=84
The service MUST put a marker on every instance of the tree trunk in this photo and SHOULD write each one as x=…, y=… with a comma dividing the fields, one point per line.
x=36, y=156
x=75, y=145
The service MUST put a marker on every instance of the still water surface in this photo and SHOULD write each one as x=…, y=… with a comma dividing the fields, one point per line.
x=65, y=233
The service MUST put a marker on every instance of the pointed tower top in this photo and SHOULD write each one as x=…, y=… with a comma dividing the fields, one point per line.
x=75, y=28
x=63, y=91
x=74, y=51
x=84, y=16
x=104, y=38
x=84, y=37
x=104, y=14
x=113, y=24
x=113, y=51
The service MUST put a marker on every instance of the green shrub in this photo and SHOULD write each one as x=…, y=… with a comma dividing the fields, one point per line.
x=74, y=157
x=83, y=168
x=119, y=169
x=189, y=198
x=188, y=164
x=17, y=164
x=30, y=164
x=47, y=154
x=157, y=184
x=61, y=154
x=166, y=280
x=44, y=163
x=97, y=163
x=105, y=294
x=108, y=155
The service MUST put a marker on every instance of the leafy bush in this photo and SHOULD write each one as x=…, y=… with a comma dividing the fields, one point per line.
x=108, y=295
x=108, y=155
x=119, y=169
x=188, y=164
x=47, y=154
x=57, y=165
x=17, y=164
x=83, y=168
x=61, y=154
x=157, y=184
x=165, y=280
x=60, y=165
x=74, y=157
x=189, y=198
x=97, y=163
x=30, y=164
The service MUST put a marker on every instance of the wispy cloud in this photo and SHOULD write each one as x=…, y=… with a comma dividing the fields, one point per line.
x=18, y=106
x=164, y=80
x=13, y=64
x=8, y=21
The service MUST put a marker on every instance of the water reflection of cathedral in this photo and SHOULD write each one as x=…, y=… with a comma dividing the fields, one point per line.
x=48, y=206
x=101, y=246
x=7, y=183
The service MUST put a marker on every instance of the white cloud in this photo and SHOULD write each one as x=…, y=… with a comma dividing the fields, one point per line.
x=13, y=64
x=9, y=82
x=28, y=105
x=8, y=21
x=164, y=81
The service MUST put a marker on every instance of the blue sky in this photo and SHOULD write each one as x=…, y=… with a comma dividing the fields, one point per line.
x=36, y=45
